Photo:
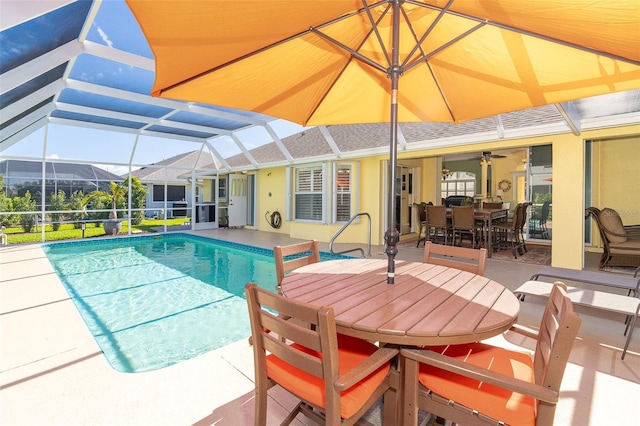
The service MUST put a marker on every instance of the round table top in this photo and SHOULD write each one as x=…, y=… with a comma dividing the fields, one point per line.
x=427, y=305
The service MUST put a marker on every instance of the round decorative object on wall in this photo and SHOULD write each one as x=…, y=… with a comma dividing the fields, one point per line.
x=504, y=185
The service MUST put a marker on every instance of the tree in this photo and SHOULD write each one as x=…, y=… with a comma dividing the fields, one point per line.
x=6, y=205
x=57, y=202
x=25, y=204
x=76, y=202
x=115, y=197
x=138, y=199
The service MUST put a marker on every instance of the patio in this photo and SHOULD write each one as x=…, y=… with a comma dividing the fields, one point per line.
x=52, y=371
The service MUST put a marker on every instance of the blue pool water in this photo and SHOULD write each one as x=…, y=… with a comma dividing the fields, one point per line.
x=153, y=301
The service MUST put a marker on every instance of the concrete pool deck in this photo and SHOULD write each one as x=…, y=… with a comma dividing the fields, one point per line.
x=52, y=371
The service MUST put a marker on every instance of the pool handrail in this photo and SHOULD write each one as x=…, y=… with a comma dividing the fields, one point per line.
x=349, y=222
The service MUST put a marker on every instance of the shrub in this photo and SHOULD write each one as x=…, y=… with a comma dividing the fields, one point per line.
x=58, y=202
x=25, y=204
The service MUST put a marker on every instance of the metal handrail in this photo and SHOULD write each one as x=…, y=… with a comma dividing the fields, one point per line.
x=354, y=217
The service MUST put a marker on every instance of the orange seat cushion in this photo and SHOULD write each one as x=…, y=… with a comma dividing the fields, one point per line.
x=501, y=404
x=351, y=352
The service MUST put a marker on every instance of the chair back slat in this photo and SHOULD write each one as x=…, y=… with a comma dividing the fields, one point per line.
x=285, y=318
x=463, y=258
x=558, y=330
x=305, y=253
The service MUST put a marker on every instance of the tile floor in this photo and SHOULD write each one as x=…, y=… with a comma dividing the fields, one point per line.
x=53, y=373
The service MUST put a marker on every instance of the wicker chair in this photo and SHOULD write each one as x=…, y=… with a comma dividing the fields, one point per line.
x=437, y=220
x=621, y=243
x=509, y=234
x=422, y=221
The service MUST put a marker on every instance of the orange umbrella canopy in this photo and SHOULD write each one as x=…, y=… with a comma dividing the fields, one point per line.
x=328, y=62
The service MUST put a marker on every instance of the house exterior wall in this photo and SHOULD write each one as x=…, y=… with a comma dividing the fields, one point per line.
x=612, y=159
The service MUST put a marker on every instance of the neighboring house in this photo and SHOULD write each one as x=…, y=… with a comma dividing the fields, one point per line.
x=173, y=178
x=21, y=176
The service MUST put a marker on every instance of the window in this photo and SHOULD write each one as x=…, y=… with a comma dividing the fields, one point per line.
x=308, y=194
x=343, y=192
x=174, y=193
x=458, y=183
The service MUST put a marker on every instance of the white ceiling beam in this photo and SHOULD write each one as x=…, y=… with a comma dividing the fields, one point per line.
x=26, y=121
x=100, y=126
x=278, y=141
x=244, y=150
x=218, y=155
x=499, y=126
x=401, y=140
x=31, y=100
x=149, y=121
x=570, y=114
x=116, y=55
x=6, y=143
x=43, y=63
x=161, y=102
x=223, y=114
x=330, y=140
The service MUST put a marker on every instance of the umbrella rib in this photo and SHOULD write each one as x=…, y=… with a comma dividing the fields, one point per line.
x=529, y=33
x=350, y=50
x=426, y=56
x=265, y=48
x=565, y=43
x=426, y=33
x=374, y=25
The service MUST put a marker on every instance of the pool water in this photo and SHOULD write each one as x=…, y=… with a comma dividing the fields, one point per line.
x=154, y=301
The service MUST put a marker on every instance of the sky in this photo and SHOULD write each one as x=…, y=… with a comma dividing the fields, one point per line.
x=115, y=26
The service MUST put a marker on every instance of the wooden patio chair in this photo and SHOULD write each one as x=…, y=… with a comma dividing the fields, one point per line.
x=290, y=257
x=336, y=377
x=463, y=258
x=480, y=384
x=621, y=244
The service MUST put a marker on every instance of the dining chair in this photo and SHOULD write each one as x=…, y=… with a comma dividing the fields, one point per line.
x=463, y=222
x=463, y=258
x=290, y=257
x=336, y=377
x=524, y=214
x=491, y=205
x=480, y=384
x=508, y=234
x=422, y=221
x=437, y=220
x=538, y=224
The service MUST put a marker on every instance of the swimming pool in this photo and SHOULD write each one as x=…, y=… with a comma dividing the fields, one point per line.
x=153, y=301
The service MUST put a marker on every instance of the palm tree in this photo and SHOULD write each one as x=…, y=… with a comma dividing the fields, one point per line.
x=116, y=193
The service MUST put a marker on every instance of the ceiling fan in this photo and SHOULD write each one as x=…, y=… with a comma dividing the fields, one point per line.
x=487, y=155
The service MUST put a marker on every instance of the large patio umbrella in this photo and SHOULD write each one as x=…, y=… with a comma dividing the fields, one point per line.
x=321, y=62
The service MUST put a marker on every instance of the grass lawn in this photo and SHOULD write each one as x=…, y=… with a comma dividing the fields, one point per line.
x=16, y=235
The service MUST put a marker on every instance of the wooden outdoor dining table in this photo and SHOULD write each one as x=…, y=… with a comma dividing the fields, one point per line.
x=427, y=305
x=489, y=217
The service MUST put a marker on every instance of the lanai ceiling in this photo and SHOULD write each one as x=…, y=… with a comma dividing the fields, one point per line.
x=86, y=64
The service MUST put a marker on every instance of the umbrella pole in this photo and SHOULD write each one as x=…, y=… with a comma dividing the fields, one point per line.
x=392, y=236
